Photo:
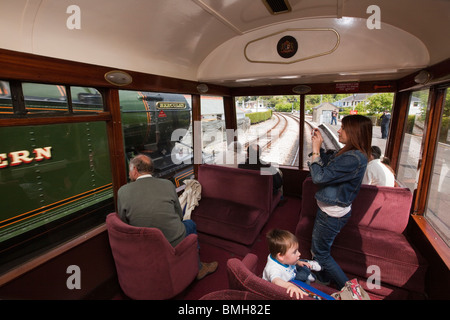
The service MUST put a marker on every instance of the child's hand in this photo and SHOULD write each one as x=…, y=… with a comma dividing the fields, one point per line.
x=303, y=264
x=291, y=289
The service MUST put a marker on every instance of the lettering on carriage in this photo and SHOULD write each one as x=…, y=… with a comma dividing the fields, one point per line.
x=74, y=20
x=24, y=156
x=374, y=21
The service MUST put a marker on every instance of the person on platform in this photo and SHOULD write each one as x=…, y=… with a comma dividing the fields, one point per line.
x=385, y=121
x=334, y=116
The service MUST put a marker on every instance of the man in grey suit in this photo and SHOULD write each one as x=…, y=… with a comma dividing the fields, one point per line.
x=153, y=203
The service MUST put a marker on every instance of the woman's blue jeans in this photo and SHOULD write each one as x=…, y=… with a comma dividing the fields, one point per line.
x=325, y=230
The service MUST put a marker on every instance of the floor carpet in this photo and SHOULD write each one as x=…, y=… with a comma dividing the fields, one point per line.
x=283, y=217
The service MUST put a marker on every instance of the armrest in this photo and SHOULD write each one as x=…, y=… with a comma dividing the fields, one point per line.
x=186, y=245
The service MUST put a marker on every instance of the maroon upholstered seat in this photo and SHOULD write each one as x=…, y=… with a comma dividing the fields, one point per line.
x=373, y=239
x=229, y=294
x=235, y=203
x=241, y=276
x=148, y=267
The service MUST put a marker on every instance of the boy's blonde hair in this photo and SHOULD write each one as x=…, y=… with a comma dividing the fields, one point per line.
x=279, y=241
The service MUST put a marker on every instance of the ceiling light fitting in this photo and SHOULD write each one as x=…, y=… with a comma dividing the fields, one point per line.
x=118, y=78
x=301, y=89
x=202, y=88
x=422, y=77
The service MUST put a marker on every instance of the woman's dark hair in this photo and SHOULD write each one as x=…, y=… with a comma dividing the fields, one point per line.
x=359, y=134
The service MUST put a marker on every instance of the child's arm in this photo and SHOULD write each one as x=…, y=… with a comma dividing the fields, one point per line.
x=303, y=264
x=291, y=288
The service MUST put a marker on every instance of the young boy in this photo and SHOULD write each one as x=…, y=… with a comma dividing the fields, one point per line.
x=283, y=264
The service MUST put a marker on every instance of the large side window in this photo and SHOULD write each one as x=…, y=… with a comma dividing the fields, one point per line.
x=439, y=195
x=272, y=123
x=55, y=174
x=159, y=125
x=326, y=112
x=408, y=166
x=214, y=135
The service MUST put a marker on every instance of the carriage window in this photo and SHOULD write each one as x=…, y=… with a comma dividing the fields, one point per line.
x=326, y=111
x=50, y=177
x=214, y=134
x=411, y=149
x=272, y=122
x=439, y=195
x=44, y=98
x=183, y=150
x=86, y=99
x=159, y=125
x=5, y=98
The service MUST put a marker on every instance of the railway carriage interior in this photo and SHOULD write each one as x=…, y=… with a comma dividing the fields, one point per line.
x=86, y=85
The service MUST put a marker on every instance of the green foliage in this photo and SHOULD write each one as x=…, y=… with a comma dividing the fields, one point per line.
x=378, y=103
x=256, y=117
x=410, y=123
x=283, y=107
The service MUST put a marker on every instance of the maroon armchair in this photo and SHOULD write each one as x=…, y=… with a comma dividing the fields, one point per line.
x=241, y=276
x=148, y=267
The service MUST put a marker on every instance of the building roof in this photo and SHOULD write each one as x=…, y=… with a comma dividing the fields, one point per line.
x=327, y=105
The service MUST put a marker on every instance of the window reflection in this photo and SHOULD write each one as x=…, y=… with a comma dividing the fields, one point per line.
x=411, y=149
x=439, y=195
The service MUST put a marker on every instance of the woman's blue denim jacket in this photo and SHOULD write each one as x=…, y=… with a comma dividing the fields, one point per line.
x=338, y=177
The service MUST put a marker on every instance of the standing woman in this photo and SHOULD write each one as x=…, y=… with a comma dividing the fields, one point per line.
x=338, y=176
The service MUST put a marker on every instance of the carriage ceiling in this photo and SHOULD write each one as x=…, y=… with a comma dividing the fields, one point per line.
x=234, y=42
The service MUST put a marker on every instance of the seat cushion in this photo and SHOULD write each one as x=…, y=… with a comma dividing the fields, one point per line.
x=229, y=220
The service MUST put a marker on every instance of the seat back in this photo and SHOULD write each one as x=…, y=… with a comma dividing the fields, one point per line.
x=243, y=186
x=147, y=265
x=384, y=208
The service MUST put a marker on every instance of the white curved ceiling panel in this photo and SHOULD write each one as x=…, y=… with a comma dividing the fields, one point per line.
x=204, y=39
x=357, y=52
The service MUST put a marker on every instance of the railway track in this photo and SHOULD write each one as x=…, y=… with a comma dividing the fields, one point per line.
x=268, y=137
x=278, y=139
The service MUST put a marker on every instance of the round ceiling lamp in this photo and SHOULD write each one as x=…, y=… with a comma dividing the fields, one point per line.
x=422, y=77
x=301, y=89
x=118, y=78
x=202, y=88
